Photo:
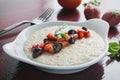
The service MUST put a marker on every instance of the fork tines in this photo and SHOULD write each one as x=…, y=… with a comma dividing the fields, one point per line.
x=46, y=14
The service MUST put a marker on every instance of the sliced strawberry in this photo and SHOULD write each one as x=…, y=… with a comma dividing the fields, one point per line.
x=49, y=48
x=65, y=43
x=60, y=39
x=41, y=45
x=51, y=36
x=81, y=34
x=87, y=34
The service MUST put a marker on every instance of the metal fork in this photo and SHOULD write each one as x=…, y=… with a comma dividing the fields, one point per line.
x=43, y=18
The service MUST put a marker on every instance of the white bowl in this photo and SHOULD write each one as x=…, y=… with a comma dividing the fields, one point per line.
x=15, y=48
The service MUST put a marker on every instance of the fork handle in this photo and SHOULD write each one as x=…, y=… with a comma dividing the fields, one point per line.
x=13, y=26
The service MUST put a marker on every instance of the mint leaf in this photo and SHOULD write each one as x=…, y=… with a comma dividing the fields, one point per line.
x=58, y=31
x=63, y=35
x=114, y=48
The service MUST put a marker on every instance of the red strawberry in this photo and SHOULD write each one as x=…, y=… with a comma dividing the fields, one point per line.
x=112, y=17
x=92, y=10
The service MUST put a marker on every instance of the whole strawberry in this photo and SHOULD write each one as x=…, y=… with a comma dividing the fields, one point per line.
x=92, y=10
x=112, y=17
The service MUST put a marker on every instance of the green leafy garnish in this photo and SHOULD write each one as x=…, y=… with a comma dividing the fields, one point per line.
x=58, y=31
x=116, y=12
x=93, y=2
x=63, y=35
x=114, y=49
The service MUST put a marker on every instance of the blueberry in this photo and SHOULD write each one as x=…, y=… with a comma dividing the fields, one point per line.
x=36, y=52
x=72, y=31
x=57, y=47
x=84, y=28
x=72, y=40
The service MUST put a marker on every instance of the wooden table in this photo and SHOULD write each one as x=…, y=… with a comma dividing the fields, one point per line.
x=12, y=11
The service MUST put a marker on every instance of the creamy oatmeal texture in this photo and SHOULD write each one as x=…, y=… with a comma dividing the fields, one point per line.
x=84, y=50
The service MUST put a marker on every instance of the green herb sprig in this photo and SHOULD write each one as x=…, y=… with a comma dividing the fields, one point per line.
x=93, y=2
x=114, y=49
x=116, y=12
x=63, y=35
x=59, y=32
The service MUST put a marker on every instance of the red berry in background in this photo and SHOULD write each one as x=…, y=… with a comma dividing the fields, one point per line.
x=92, y=10
x=69, y=4
x=112, y=17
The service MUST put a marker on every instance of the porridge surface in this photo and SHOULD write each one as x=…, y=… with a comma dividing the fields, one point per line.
x=84, y=50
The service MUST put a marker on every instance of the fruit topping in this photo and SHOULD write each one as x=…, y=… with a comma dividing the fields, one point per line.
x=51, y=36
x=36, y=52
x=54, y=43
x=72, y=40
x=67, y=37
x=58, y=31
x=63, y=35
x=41, y=45
x=47, y=40
x=84, y=28
x=65, y=43
x=81, y=34
x=72, y=31
x=57, y=47
x=87, y=34
x=61, y=39
x=49, y=48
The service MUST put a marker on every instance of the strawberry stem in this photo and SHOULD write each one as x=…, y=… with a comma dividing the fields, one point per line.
x=116, y=12
x=93, y=2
